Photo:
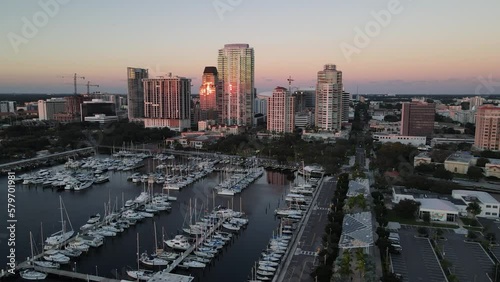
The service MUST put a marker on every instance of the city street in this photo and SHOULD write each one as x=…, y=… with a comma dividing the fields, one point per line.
x=304, y=257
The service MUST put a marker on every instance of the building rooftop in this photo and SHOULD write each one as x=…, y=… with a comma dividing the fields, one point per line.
x=358, y=187
x=461, y=157
x=469, y=196
x=438, y=204
x=416, y=193
x=356, y=231
x=423, y=155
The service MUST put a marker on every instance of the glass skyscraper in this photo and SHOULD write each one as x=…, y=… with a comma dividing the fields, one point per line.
x=136, y=93
x=236, y=72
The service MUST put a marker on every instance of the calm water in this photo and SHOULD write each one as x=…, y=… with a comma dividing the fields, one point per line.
x=36, y=207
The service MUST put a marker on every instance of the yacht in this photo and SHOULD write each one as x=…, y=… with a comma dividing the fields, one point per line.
x=59, y=258
x=178, y=243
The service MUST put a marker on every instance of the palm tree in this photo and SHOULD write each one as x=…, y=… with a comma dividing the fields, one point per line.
x=474, y=209
x=360, y=262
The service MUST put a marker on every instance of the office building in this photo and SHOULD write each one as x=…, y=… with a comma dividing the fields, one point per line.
x=488, y=128
x=346, y=100
x=209, y=93
x=304, y=119
x=48, y=108
x=328, y=111
x=417, y=119
x=7, y=106
x=236, y=72
x=306, y=98
x=281, y=112
x=105, y=110
x=136, y=93
x=167, y=103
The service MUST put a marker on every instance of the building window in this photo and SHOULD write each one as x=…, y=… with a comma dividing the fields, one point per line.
x=494, y=213
x=488, y=206
x=495, y=207
x=488, y=213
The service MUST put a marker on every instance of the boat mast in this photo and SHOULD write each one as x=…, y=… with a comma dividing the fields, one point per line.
x=31, y=244
x=138, y=266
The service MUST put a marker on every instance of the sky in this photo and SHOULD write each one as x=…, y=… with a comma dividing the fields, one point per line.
x=381, y=46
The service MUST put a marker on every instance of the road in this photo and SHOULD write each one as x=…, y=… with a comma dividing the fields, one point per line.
x=304, y=256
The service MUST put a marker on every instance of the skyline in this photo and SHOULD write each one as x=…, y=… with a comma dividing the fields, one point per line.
x=452, y=52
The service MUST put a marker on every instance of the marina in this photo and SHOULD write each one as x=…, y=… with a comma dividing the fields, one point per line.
x=174, y=223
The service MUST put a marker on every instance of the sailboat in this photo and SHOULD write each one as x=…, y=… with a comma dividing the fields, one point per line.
x=61, y=236
x=140, y=274
x=31, y=274
x=154, y=261
x=41, y=263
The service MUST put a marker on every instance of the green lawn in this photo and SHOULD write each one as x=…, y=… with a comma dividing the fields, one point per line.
x=471, y=222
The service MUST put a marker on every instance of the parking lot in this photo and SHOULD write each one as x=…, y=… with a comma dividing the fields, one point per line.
x=417, y=261
x=469, y=261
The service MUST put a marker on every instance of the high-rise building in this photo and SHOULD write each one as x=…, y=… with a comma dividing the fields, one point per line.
x=488, y=128
x=7, y=106
x=329, y=88
x=417, y=119
x=346, y=100
x=48, y=108
x=281, y=111
x=167, y=102
x=236, y=72
x=209, y=93
x=475, y=102
x=136, y=93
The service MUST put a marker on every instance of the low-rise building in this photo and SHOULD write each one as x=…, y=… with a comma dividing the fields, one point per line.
x=358, y=187
x=492, y=169
x=407, y=140
x=438, y=210
x=455, y=140
x=490, y=207
x=459, y=162
x=422, y=158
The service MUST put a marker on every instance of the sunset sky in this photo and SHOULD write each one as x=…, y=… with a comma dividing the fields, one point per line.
x=426, y=47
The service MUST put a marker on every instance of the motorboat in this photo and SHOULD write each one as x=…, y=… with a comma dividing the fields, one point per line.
x=83, y=186
x=46, y=264
x=70, y=252
x=30, y=274
x=94, y=219
x=189, y=263
x=179, y=242
x=141, y=274
x=231, y=227
x=101, y=179
x=59, y=258
x=168, y=255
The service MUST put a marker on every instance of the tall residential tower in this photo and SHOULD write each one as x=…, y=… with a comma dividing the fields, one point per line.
x=167, y=102
x=281, y=111
x=329, y=88
x=209, y=94
x=236, y=72
x=136, y=93
x=488, y=128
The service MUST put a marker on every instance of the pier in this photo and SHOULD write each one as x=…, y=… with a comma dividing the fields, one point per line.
x=186, y=253
x=75, y=275
x=18, y=165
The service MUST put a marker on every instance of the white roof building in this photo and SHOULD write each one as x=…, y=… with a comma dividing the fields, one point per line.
x=490, y=207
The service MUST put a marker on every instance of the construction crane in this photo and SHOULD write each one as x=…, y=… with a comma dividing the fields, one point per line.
x=88, y=86
x=75, y=77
